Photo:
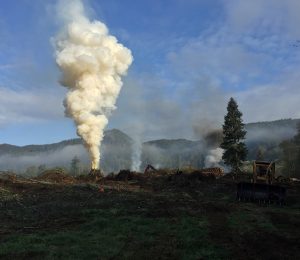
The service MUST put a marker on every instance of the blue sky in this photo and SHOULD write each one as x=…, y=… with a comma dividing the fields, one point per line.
x=189, y=57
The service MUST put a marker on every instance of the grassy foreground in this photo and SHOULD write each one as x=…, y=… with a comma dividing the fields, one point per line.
x=150, y=220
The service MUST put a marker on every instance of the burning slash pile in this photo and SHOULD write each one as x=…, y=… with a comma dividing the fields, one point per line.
x=93, y=176
x=92, y=63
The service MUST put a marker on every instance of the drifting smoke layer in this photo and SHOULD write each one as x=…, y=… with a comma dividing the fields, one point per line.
x=214, y=158
x=92, y=63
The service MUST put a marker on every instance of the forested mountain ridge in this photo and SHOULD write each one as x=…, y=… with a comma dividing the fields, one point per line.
x=117, y=149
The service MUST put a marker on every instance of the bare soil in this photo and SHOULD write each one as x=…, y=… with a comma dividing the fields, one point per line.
x=159, y=216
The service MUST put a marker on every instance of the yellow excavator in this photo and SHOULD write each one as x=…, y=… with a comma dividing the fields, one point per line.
x=263, y=171
x=262, y=188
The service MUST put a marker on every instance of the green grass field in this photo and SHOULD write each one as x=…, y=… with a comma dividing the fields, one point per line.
x=150, y=220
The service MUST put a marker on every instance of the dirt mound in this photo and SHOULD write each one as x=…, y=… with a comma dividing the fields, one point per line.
x=8, y=176
x=56, y=176
x=189, y=179
x=127, y=175
x=93, y=176
x=110, y=177
x=160, y=172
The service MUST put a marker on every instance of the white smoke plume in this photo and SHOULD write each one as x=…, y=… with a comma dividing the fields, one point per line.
x=136, y=156
x=214, y=158
x=92, y=63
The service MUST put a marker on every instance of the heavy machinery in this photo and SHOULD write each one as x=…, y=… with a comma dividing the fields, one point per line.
x=149, y=169
x=262, y=189
x=264, y=171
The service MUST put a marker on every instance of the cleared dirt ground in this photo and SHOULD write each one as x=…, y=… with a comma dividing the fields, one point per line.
x=143, y=217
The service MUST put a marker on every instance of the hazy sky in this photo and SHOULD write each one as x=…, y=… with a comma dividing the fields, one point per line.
x=190, y=56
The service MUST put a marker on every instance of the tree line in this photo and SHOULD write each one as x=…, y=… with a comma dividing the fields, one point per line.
x=235, y=150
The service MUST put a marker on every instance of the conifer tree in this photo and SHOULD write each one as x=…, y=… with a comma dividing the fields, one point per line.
x=235, y=150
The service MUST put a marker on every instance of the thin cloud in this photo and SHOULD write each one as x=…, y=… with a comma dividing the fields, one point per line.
x=23, y=106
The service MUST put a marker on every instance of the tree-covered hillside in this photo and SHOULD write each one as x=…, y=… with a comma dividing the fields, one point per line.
x=267, y=136
x=263, y=138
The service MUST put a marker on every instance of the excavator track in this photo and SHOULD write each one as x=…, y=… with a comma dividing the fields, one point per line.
x=261, y=193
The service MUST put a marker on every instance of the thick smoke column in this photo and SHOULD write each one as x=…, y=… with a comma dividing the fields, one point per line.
x=92, y=63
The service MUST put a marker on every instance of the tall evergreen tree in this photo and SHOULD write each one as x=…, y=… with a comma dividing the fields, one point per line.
x=235, y=150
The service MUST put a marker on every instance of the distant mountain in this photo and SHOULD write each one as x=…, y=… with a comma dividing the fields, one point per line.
x=268, y=135
x=117, y=149
x=111, y=137
x=27, y=149
x=115, y=136
x=290, y=123
x=175, y=153
x=171, y=143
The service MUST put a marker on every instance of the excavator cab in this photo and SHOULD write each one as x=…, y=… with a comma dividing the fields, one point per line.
x=263, y=171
